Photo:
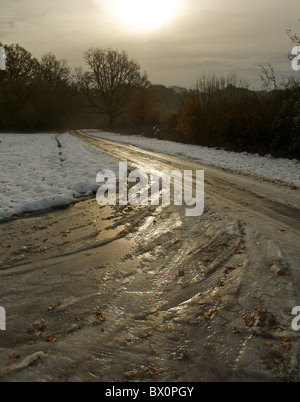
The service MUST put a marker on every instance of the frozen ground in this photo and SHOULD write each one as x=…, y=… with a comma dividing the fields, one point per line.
x=283, y=170
x=146, y=293
x=131, y=293
x=46, y=170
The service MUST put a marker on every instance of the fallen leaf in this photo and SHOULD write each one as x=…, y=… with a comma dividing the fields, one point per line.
x=100, y=317
x=50, y=308
x=210, y=312
x=268, y=343
x=96, y=322
x=158, y=369
x=236, y=331
x=77, y=318
x=51, y=338
x=281, y=272
x=41, y=325
x=249, y=321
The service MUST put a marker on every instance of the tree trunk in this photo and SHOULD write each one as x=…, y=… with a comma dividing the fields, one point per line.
x=112, y=119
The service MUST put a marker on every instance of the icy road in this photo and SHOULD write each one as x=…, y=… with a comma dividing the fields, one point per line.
x=149, y=294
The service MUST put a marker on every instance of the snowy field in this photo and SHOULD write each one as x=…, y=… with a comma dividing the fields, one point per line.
x=283, y=170
x=46, y=170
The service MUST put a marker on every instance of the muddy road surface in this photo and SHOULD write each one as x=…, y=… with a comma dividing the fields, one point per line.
x=146, y=293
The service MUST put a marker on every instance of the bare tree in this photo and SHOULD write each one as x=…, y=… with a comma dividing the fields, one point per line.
x=54, y=71
x=268, y=78
x=294, y=37
x=210, y=87
x=20, y=65
x=111, y=81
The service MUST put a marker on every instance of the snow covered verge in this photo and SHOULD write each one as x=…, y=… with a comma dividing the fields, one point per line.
x=283, y=170
x=46, y=170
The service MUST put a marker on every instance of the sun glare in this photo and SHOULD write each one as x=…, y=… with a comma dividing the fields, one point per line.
x=145, y=15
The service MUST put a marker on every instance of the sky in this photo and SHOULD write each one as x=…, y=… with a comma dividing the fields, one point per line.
x=174, y=41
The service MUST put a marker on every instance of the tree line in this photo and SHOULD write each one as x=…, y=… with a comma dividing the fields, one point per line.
x=220, y=113
x=113, y=93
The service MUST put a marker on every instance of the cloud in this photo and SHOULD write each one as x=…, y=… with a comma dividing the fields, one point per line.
x=207, y=35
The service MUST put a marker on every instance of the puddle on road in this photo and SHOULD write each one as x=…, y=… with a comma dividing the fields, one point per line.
x=127, y=294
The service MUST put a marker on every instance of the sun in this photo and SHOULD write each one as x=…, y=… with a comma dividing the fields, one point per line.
x=145, y=15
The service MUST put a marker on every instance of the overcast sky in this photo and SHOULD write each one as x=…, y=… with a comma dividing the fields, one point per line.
x=223, y=36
